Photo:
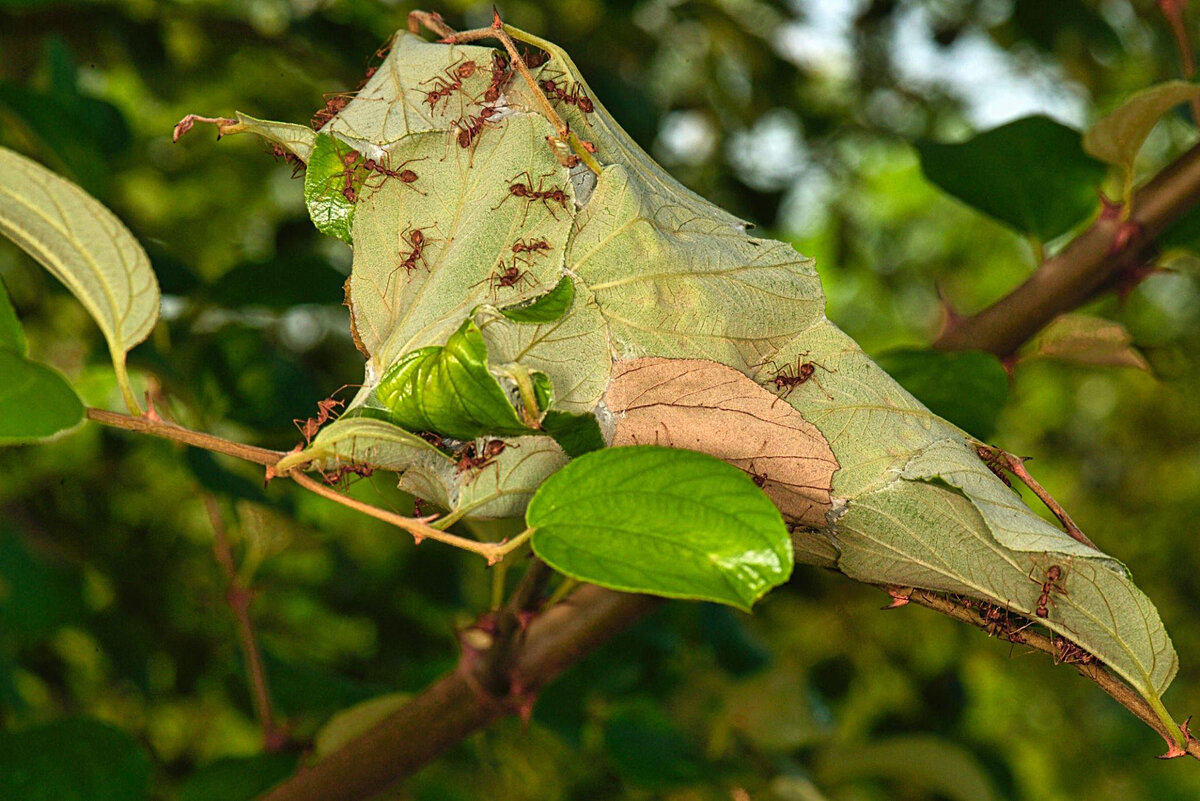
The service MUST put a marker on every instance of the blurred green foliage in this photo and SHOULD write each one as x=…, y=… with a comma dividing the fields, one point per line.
x=797, y=115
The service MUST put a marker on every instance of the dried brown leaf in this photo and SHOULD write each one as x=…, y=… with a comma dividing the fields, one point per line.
x=708, y=407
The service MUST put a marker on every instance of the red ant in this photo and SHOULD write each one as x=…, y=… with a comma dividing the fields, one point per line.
x=338, y=476
x=574, y=96
x=534, y=59
x=471, y=126
x=1053, y=574
x=298, y=166
x=526, y=191
x=500, y=74
x=417, y=240
x=404, y=176
x=1069, y=653
x=468, y=459
x=448, y=83
x=533, y=246
x=333, y=105
x=991, y=457
x=380, y=55
x=793, y=375
x=511, y=276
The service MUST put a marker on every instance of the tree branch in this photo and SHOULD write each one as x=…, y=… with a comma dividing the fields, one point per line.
x=456, y=705
x=1089, y=264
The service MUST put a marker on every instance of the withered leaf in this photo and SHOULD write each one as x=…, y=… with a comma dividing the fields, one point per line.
x=708, y=407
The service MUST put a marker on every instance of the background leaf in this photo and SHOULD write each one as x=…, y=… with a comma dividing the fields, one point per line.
x=1117, y=137
x=663, y=521
x=969, y=388
x=36, y=402
x=73, y=760
x=86, y=247
x=1002, y=172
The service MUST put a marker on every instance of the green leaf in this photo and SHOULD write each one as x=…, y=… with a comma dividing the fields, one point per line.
x=332, y=212
x=576, y=434
x=449, y=390
x=36, y=402
x=237, y=778
x=1002, y=173
x=12, y=336
x=545, y=308
x=1117, y=137
x=73, y=760
x=663, y=521
x=969, y=389
x=87, y=248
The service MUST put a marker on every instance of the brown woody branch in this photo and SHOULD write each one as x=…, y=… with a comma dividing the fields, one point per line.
x=1091, y=263
x=457, y=705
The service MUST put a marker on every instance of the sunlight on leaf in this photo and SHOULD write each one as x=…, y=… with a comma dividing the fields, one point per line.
x=86, y=248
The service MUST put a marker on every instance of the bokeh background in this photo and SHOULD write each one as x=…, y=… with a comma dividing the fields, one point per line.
x=118, y=658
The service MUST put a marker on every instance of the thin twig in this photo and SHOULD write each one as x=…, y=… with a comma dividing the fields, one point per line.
x=996, y=457
x=417, y=526
x=240, y=597
x=501, y=33
x=161, y=428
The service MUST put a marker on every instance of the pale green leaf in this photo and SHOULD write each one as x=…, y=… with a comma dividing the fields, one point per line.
x=698, y=287
x=469, y=221
x=1088, y=340
x=573, y=350
x=86, y=248
x=395, y=102
x=298, y=140
x=928, y=535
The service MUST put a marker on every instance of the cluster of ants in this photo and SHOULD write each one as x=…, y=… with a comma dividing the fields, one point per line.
x=998, y=621
x=467, y=456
